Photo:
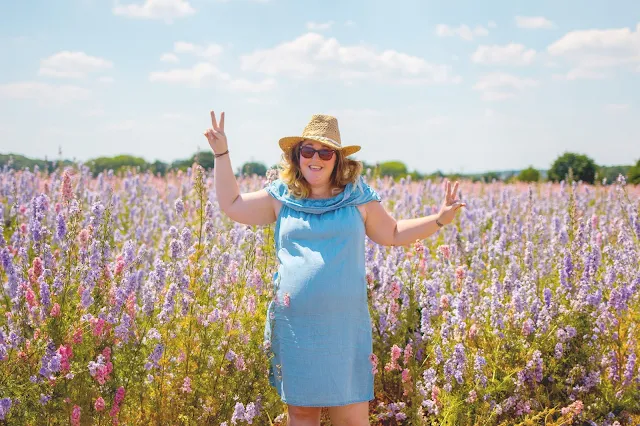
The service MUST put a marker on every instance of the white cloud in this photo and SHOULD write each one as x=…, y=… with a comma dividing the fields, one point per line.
x=592, y=52
x=205, y=74
x=106, y=79
x=510, y=54
x=209, y=52
x=349, y=23
x=463, y=31
x=44, y=93
x=67, y=64
x=166, y=10
x=534, y=22
x=169, y=57
x=319, y=26
x=492, y=24
x=499, y=86
x=313, y=55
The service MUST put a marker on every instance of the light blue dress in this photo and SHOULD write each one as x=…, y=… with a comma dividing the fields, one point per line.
x=319, y=326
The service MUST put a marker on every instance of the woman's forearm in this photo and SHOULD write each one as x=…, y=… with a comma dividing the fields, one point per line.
x=410, y=230
x=227, y=190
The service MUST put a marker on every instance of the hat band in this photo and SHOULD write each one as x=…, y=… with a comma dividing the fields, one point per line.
x=325, y=139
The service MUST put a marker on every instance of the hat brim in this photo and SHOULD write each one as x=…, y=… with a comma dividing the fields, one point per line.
x=287, y=143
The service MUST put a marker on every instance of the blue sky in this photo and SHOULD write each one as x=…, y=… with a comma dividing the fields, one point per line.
x=462, y=86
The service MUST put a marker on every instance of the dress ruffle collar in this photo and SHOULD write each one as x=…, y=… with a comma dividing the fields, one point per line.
x=353, y=195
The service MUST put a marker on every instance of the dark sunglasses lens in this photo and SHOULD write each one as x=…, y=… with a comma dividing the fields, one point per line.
x=307, y=152
x=325, y=154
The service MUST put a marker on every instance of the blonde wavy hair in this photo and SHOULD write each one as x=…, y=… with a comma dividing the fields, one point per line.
x=344, y=172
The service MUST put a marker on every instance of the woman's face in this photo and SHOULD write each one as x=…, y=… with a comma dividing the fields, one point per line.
x=316, y=170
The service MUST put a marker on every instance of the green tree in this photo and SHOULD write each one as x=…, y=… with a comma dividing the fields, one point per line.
x=205, y=158
x=611, y=172
x=393, y=168
x=633, y=175
x=529, y=175
x=583, y=167
x=252, y=168
x=117, y=163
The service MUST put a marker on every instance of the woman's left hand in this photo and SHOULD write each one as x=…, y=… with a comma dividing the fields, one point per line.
x=450, y=204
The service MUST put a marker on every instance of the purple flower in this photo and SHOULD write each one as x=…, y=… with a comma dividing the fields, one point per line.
x=629, y=368
x=238, y=413
x=61, y=227
x=175, y=248
x=45, y=295
x=186, y=237
x=5, y=405
x=558, y=350
x=478, y=367
x=122, y=331
x=179, y=205
x=154, y=357
x=251, y=411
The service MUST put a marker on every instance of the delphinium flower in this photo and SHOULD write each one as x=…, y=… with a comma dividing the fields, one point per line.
x=50, y=362
x=478, y=367
x=75, y=415
x=154, y=357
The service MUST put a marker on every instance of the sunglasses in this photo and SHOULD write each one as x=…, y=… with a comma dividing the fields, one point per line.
x=325, y=154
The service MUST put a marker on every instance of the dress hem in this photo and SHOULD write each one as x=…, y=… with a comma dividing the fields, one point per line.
x=328, y=405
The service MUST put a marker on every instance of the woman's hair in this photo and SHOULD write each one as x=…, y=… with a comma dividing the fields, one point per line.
x=345, y=171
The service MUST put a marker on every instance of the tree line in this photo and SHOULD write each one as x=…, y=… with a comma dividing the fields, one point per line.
x=581, y=166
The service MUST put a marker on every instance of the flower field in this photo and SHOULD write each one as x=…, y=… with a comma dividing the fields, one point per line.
x=133, y=300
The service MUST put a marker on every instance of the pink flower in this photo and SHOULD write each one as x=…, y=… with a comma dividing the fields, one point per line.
x=23, y=228
x=119, y=395
x=374, y=363
x=77, y=336
x=98, y=326
x=395, y=355
x=459, y=273
x=287, y=299
x=55, y=310
x=444, y=302
x=408, y=352
x=445, y=251
x=406, y=376
x=67, y=191
x=37, y=267
x=99, y=405
x=75, y=416
x=575, y=408
x=83, y=237
x=473, y=331
x=186, y=385
x=31, y=298
x=395, y=290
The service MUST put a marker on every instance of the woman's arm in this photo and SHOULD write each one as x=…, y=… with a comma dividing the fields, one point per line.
x=252, y=208
x=385, y=230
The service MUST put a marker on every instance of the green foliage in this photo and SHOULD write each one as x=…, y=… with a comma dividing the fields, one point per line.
x=633, y=174
x=117, y=163
x=19, y=162
x=583, y=167
x=394, y=169
x=610, y=173
x=252, y=168
x=529, y=175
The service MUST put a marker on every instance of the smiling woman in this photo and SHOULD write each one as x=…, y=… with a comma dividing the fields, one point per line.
x=330, y=164
x=318, y=325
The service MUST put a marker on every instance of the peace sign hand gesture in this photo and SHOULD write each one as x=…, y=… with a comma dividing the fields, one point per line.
x=215, y=135
x=450, y=204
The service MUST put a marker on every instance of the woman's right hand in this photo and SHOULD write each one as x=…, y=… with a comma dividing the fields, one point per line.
x=215, y=135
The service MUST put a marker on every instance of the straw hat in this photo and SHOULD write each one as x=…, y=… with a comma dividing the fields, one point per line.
x=321, y=128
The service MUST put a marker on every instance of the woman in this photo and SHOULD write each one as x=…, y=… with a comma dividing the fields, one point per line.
x=318, y=324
